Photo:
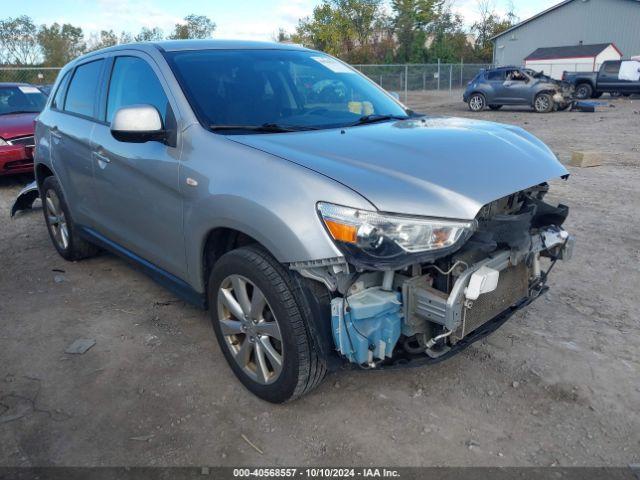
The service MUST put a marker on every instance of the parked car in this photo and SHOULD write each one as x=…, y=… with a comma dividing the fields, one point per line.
x=319, y=230
x=45, y=88
x=497, y=87
x=20, y=103
x=605, y=80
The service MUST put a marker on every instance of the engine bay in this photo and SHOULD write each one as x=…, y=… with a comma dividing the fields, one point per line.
x=383, y=316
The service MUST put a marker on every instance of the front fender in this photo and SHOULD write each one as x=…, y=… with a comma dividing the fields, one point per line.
x=261, y=195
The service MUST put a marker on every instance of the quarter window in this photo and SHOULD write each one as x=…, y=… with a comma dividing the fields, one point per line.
x=58, y=100
x=133, y=82
x=83, y=89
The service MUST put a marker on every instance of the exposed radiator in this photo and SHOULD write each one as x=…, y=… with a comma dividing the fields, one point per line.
x=512, y=287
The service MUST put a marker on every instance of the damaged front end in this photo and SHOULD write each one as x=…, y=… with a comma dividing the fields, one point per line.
x=422, y=290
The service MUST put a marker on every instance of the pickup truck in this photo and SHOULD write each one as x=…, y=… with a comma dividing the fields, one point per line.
x=607, y=79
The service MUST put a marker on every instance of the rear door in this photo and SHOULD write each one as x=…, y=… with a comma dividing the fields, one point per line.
x=494, y=88
x=72, y=119
x=608, y=80
x=137, y=184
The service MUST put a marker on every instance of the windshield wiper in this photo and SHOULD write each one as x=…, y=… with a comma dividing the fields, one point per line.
x=264, y=128
x=378, y=118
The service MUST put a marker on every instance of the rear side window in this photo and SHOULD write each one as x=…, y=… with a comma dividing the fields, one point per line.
x=612, y=67
x=133, y=82
x=83, y=90
x=58, y=99
x=495, y=75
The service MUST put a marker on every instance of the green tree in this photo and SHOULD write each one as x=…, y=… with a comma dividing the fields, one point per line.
x=411, y=21
x=18, y=41
x=149, y=35
x=60, y=43
x=194, y=26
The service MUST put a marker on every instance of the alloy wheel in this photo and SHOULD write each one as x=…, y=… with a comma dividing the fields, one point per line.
x=56, y=219
x=476, y=103
x=250, y=329
x=542, y=103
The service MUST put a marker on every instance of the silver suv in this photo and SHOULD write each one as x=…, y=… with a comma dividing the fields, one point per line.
x=321, y=222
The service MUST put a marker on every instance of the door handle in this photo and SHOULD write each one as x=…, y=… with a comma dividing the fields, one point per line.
x=101, y=158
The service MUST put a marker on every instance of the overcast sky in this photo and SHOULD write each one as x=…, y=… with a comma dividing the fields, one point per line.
x=248, y=19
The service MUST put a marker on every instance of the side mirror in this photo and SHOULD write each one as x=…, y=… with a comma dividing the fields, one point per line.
x=138, y=124
x=395, y=95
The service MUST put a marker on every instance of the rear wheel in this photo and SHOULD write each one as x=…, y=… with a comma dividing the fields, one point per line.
x=495, y=107
x=62, y=230
x=543, y=103
x=258, y=317
x=477, y=102
x=584, y=91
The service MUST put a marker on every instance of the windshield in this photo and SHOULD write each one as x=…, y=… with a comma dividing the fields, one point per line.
x=21, y=99
x=284, y=88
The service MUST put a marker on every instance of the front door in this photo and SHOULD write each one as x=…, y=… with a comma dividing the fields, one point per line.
x=137, y=184
x=516, y=89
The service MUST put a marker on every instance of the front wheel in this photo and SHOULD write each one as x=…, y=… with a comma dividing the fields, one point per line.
x=259, y=321
x=543, y=103
x=477, y=102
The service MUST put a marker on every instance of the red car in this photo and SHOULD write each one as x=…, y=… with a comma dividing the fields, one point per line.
x=20, y=103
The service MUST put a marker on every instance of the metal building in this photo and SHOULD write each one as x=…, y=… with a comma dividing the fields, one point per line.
x=572, y=22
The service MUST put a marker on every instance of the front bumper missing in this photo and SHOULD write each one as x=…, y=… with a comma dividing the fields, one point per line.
x=408, y=360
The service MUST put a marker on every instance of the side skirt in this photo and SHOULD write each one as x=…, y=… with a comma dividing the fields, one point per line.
x=178, y=287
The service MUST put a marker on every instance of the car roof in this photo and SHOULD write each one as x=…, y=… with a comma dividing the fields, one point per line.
x=180, y=45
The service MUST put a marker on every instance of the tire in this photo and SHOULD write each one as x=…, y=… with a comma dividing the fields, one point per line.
x=495, y=107
x=584, y=91
x=477, y=102
x=283, y=329
x=543, y=103
x=62, y=230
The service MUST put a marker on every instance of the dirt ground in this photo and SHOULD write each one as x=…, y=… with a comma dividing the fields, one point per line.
x=559, y=384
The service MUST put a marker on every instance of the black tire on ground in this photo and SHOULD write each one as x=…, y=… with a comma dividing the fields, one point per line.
x=597, y=94
x=302, y=367
x=477, y=102
x=584, y=91
x=62, y=230
x=543, y=103
x=495, y=107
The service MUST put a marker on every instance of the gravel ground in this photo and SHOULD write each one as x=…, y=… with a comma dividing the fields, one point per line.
x=559, y=384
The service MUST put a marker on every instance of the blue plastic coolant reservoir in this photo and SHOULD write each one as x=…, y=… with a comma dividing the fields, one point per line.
x=370, y=327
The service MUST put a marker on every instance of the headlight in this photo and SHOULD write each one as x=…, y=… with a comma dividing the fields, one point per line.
x=391, y=238
x=3, y=142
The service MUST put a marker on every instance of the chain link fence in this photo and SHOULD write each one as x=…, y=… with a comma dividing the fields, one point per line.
x=33, y=75
x=401, y=78
x=404, y=78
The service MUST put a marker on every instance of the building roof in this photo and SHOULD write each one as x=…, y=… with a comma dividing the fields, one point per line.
x=544, y=12
x=570, y=51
